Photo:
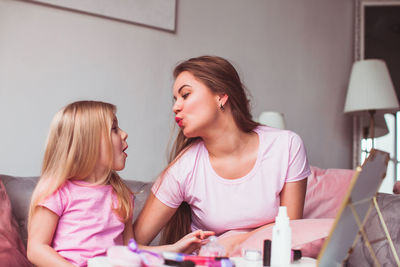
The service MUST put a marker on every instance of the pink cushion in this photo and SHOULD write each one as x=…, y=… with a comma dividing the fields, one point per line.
x=12, y=250
x=325, y=192
x=308, y=235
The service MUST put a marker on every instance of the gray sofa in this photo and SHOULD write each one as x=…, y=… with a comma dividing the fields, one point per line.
x=19, y=190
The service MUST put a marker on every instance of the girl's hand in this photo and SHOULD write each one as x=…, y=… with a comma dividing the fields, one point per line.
x=192, y=241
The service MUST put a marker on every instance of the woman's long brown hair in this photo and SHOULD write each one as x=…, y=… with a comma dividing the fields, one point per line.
x=219, y=75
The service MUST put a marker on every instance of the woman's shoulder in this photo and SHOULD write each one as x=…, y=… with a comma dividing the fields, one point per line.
x=268, y=132
x=270, y=136
x=187, y=160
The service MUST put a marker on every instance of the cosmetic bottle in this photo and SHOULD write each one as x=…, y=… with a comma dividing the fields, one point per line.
x=267, y=253
x=281, y=239
x=212, y=248
x=252, y=258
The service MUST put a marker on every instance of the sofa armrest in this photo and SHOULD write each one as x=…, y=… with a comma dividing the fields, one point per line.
x=19, y=191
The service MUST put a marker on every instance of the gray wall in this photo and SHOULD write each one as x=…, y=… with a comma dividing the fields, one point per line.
x=294, y=56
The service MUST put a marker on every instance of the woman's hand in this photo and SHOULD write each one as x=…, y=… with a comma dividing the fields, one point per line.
x=232, y=240
x=192, y=241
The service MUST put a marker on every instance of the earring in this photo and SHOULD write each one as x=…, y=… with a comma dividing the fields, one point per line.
x=221, y=107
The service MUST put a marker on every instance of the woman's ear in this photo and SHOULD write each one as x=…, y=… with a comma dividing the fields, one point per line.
x=223, y=99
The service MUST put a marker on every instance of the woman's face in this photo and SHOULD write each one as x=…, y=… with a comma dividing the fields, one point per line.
x=196, y=107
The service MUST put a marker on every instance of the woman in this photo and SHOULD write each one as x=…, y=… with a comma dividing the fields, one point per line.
x=232, y=172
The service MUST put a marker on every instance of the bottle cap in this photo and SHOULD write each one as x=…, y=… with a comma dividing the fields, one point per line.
x=267, y=253
x=282, y=212
x=212, y=238
x=252, y=255
x=282, y=219
x=296, y=254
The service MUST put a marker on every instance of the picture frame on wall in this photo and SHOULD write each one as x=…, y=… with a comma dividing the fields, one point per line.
x=158, y=14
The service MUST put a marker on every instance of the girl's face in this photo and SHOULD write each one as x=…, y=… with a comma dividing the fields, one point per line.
x=119, y=145
x=196, y=106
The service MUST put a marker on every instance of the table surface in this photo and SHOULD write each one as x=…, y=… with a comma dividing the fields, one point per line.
x=303, y=262
x=102, y=261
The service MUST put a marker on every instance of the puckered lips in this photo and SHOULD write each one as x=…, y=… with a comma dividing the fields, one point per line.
x=179, y=121
x=123, y=150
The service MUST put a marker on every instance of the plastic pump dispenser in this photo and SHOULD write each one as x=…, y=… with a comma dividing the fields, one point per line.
x=281, y=239
x=212, y=248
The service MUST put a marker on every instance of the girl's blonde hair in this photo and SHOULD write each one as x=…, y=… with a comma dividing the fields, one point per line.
x=73, y=149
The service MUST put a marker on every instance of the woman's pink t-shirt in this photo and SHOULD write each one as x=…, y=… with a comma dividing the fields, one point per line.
x=220, y=204
x=87, y=225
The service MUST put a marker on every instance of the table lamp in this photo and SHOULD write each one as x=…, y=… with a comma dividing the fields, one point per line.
x=380, y=126
x=370, y=91
x=273, y=119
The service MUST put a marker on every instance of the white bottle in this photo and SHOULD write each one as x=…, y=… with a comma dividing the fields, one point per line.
x=281, y=239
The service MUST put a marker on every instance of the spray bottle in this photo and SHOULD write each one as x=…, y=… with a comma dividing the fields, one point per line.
x=212, y=248
x=281, y=239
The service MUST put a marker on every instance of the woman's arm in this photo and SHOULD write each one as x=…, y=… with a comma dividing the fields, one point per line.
x=153, y=217
x=292, y=196
x=40, y=236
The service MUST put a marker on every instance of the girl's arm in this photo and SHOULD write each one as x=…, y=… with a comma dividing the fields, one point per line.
x=128, y=232
x=186, y=244
x=292, y=196
x=153, y=217
x=40, y=235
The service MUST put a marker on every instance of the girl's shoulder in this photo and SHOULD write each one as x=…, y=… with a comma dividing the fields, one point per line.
x=78, y=187
x=66, y=190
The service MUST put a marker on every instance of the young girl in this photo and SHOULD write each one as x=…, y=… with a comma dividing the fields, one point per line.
x=80, y=206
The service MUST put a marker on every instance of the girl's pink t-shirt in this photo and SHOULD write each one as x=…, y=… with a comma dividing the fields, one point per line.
x=87, y=225
x=220, y=204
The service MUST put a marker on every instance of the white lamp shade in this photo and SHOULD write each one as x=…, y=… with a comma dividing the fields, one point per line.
x=272, y=119
x=370, y=88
